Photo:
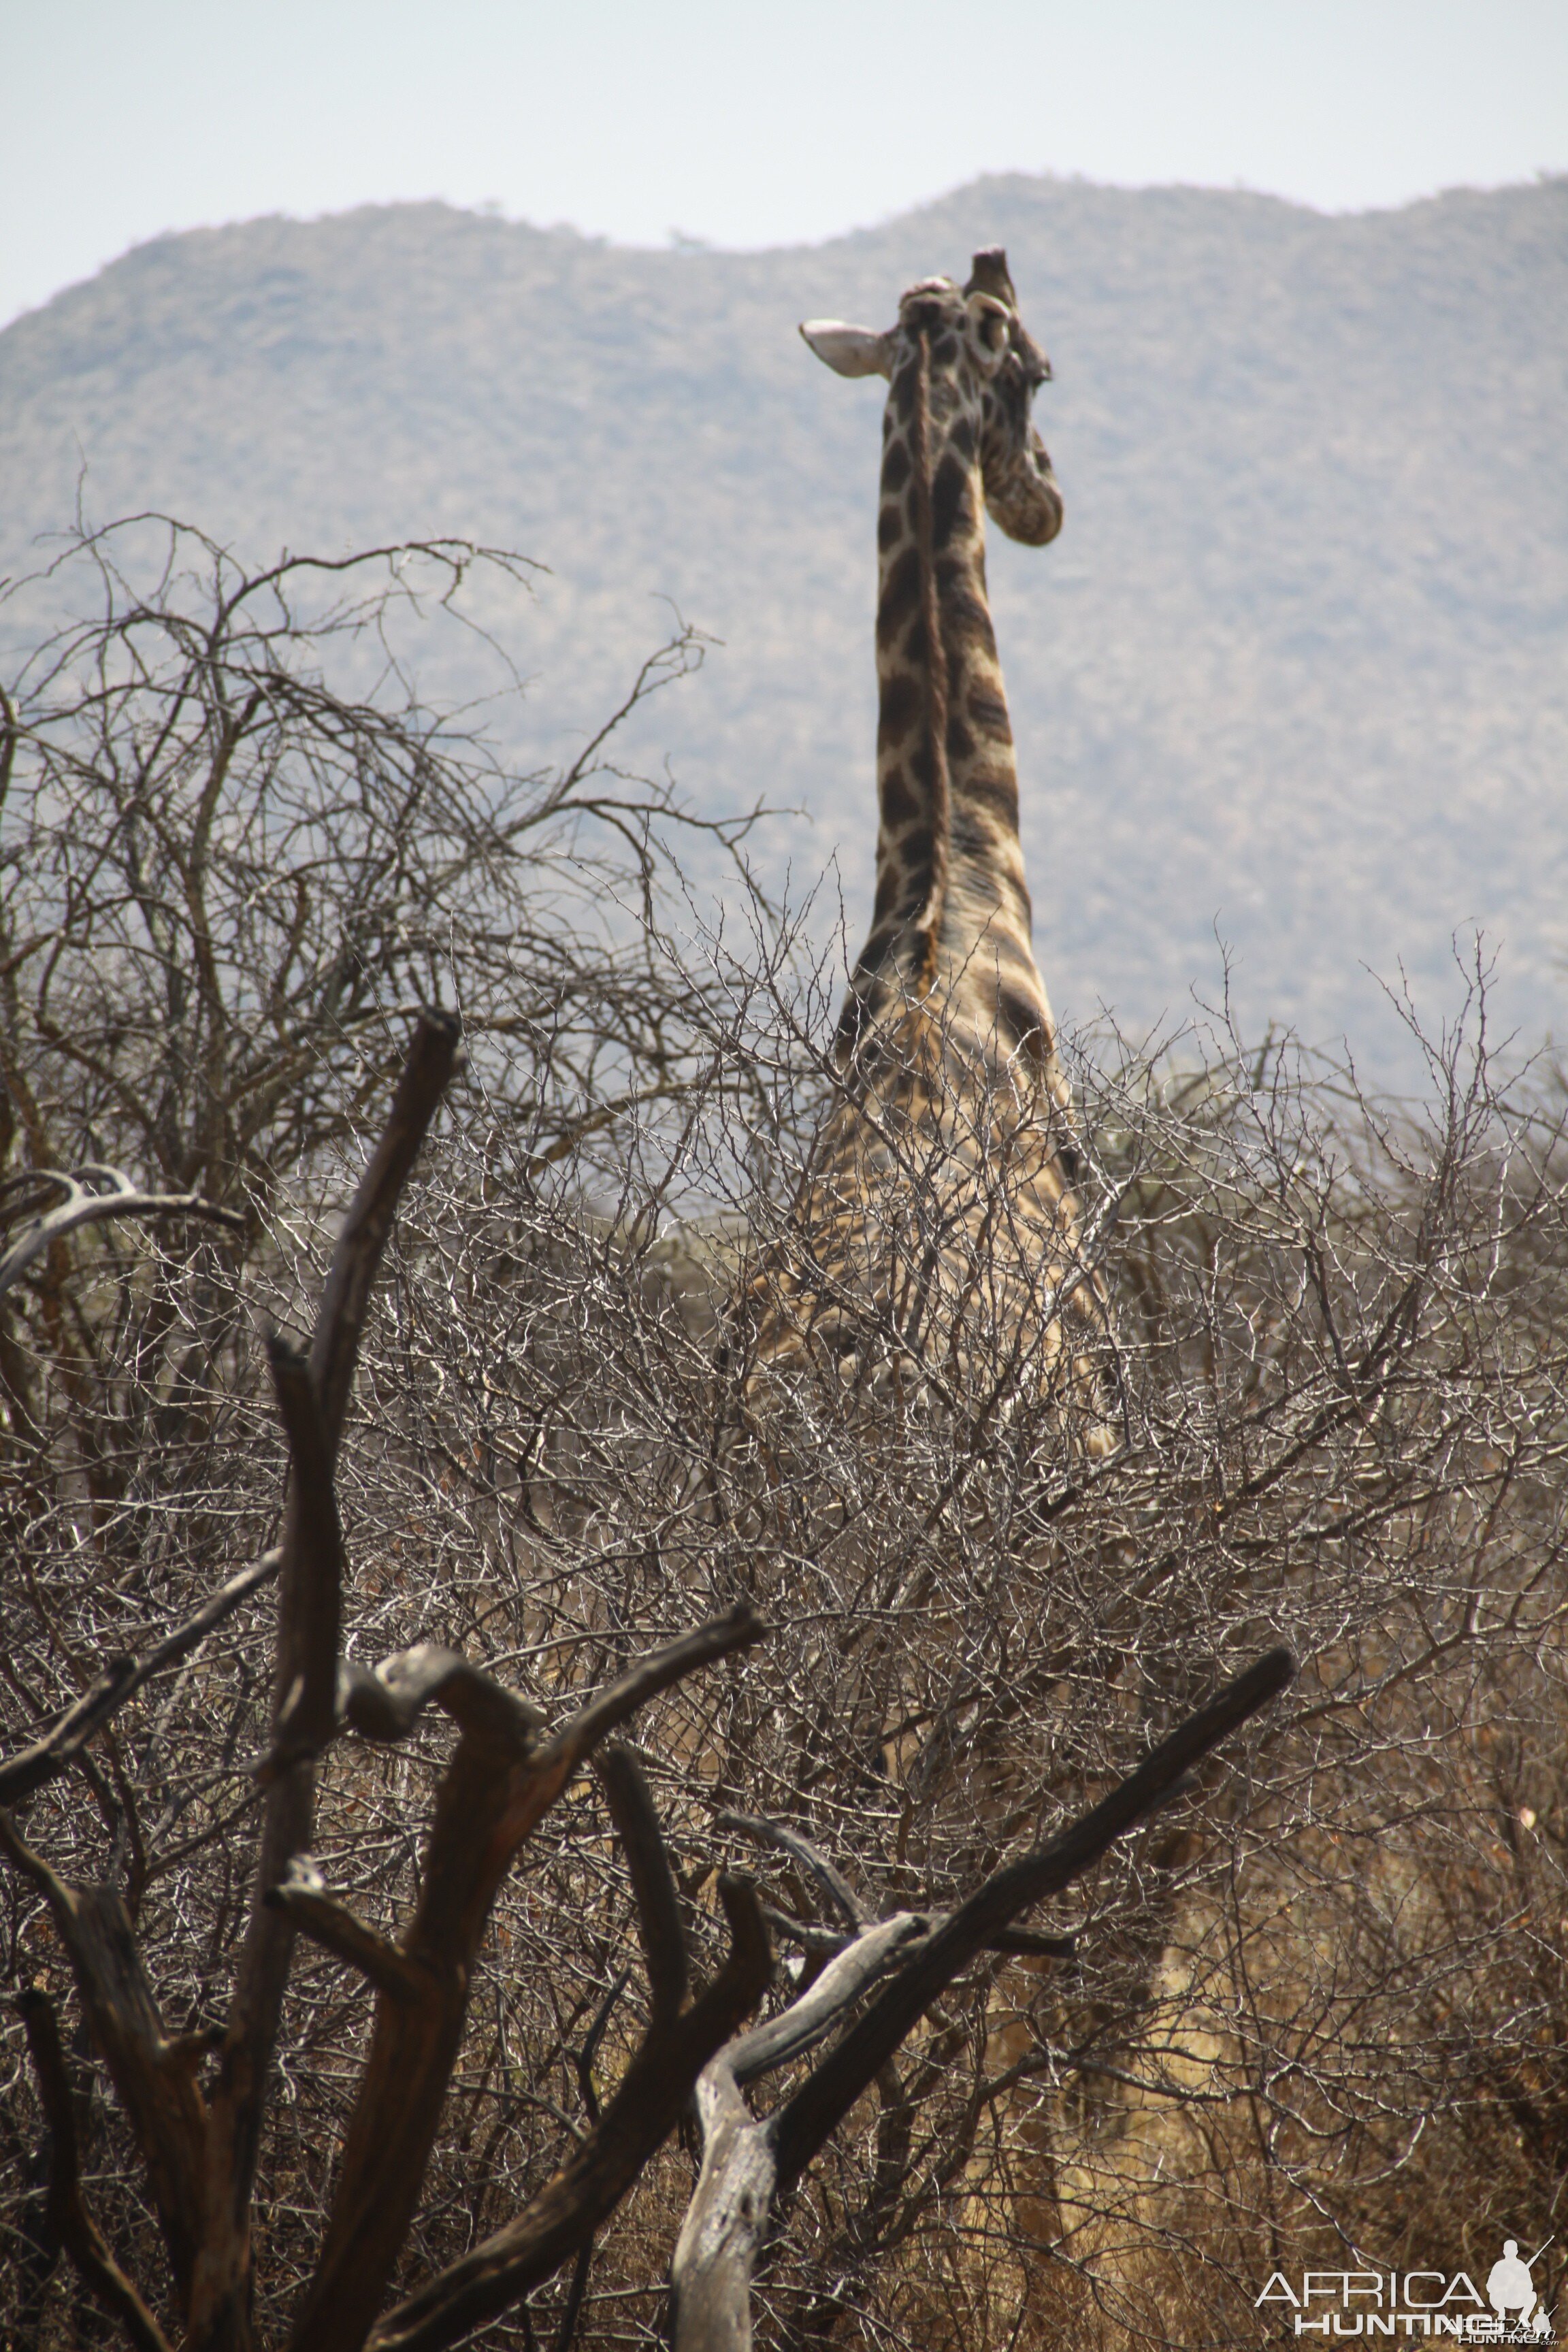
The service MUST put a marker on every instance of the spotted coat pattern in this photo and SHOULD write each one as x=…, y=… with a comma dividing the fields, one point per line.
x=935, y=1235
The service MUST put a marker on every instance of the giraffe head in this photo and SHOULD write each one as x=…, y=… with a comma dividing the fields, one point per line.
x=976, y=345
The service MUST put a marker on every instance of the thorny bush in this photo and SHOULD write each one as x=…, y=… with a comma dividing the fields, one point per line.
x=1316, y=2016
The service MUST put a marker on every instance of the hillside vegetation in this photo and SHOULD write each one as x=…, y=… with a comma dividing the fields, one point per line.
x=1297, y=670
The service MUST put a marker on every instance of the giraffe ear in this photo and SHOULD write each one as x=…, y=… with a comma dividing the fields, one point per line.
x=851, y=350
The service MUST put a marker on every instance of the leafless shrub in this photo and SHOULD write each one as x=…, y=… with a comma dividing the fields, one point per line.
x=199, y=2142
x=1316, y=2013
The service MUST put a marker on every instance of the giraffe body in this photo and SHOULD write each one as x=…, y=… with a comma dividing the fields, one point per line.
x=935, y=1234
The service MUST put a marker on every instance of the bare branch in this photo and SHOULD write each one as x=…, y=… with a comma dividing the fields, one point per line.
x=747, y=2164
x=878, y=1947
x=312, y=1590
x=386, y=1705
x=58, y=1747
x=499, y=1786
x=367, y=1227
x=659, y=1906
x=152, y=2073
x=306, y=1619
x=80, y=1207
x=840, y=1894
x=731, y=2212
x=737, y=1631
x=597, y=2174
x=304, y=1895
x=833, y=2088
x=68, y=2212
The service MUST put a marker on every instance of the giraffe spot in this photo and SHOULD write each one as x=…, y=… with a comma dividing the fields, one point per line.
x=895, y=467
x=1071, y=1159
x=889, y=525
x=900, y=706
x=902, y=395
x=1022, y=1020
x=967, y=617
x=949, y=499
x=989, y=712
x=944, y=350
x=996, y=794
x=960, y=741
x=960, y=440
x=967, y=629
x=900, y=595
x=922, y=770
x=899, y=805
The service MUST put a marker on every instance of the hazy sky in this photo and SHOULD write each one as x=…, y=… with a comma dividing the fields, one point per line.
x=740, y=121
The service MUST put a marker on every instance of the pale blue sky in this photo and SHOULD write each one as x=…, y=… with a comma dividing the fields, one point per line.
x=740, y=121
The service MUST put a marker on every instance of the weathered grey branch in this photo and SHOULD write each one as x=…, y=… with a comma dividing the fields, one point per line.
x=833, y=2086
x=58, y=1747
x=600, y=2169
x=840, y=1894
x=748, y=2164
x=728, y=2217
x=81, y=1207
x=865, y=1956
x=67, y=2208
x=721, y=2236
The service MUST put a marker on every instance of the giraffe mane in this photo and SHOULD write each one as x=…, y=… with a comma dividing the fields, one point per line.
x=940, y=802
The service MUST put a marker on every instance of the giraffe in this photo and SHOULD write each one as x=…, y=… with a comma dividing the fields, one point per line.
x=935, y=1236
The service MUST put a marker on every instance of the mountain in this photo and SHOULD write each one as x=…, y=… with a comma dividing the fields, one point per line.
x=1295, y=674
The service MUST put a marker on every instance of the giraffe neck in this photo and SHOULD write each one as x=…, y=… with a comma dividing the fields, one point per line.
x=952, y=923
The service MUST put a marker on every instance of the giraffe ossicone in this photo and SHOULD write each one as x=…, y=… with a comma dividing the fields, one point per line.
x=935, y=1228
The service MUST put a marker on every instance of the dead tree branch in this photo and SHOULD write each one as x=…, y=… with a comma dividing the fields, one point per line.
x=59, y=1748
x=598, y=2172
x=308, y=1611
x=154, y=2077
x=67, y=2214
x=749, y=2166
x=81, y=1207
x=501, y=1781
